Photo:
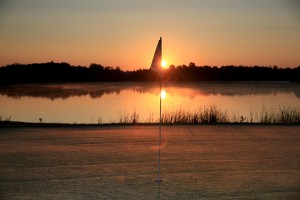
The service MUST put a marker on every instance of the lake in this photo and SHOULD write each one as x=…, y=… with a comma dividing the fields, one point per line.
x=108, y=102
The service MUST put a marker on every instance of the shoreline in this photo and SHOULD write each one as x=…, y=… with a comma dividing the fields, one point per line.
x=17, y=124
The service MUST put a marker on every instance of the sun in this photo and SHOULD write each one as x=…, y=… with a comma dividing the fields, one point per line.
x=164, y=64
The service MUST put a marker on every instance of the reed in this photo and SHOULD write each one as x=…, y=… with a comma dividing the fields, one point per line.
x=281, y=115
x=207, y=115
x=5, y=119
x=289, y=115
x=126, y=118
x=213, y=114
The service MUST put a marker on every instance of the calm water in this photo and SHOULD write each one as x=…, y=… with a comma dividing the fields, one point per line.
x=106, y=102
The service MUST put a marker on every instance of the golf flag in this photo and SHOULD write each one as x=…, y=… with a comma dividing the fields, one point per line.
x=157, y=58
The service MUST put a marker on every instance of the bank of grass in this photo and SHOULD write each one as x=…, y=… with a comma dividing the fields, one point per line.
x=207, y=115
x=5, y=119
x=127, y=118
x=280, y=115
x=214, y=115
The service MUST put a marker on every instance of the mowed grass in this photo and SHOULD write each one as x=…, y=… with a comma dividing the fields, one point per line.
x=120, y=162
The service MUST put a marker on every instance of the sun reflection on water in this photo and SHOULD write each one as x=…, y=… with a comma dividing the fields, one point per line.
x=103, y=102
x=163, y=94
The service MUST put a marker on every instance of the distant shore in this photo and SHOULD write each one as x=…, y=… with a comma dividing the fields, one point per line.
x=51, y=72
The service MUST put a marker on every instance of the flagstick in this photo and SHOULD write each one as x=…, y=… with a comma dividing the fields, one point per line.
x=159, y=141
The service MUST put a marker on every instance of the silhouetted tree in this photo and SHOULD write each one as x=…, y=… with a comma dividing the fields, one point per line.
x=63, y=72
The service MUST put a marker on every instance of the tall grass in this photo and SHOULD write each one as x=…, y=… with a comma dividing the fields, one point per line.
x=5, y=119
x=209, y=115
x=282, y=115
x=126, y=118
x=213, y=115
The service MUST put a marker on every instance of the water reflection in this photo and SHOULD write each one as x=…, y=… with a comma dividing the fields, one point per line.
x=163, y=93
x=110, y=102
x=98, y=90
x=60, y=91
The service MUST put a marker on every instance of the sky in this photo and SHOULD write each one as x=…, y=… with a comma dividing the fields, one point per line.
x=125, y=33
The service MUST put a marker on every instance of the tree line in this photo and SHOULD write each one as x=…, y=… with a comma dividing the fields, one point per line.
x=64, y=72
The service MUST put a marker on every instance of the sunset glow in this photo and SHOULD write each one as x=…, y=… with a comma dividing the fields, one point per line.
x=124, y=33
x=164, y=64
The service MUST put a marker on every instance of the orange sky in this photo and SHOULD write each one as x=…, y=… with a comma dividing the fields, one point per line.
x=125, y=32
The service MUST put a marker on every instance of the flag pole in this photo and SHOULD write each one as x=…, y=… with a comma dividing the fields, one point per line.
x=156, y=66
x=159, y=140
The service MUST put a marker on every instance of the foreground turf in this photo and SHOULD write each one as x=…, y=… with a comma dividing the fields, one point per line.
x=120, y=162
